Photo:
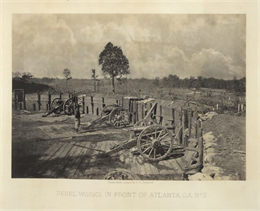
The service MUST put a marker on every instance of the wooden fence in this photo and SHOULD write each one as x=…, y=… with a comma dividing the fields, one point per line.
x=182, y=120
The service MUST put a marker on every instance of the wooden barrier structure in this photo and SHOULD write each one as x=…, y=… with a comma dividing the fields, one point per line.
x=136, y=110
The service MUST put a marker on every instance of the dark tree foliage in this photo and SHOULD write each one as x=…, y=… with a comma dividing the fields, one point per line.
x=26, y=77
x=201, y=82
x=114, y=62
x=66, y=73
x=156, y=81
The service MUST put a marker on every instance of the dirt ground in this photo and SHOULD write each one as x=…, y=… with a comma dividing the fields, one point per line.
x=33, y=137
x=51, y=148
x=230, y=132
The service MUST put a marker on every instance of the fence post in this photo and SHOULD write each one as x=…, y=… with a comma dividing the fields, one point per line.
x=145, y=109
x=34, y=107
x=39, y=100
x=15, y=100
x=87, y=110
x=238, y=108
x=136, y=111
x=92, y=104
x=103, y=102
x=161, y=117
x=122, y=101
x=200, y=146
x=183, y=127
x=196, y=129
x=133, y=111
x=24, y=101
x=186, y=119
x=189, y=121
x=49, y=99
x=83, y=105
x=60, y=95
x=173, y=120
x=97, y=111
x=142, y=111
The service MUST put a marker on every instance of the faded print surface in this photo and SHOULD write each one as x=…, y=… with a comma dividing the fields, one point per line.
x=179, y=115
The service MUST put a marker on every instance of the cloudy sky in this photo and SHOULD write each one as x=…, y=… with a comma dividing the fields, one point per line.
x=155, y=45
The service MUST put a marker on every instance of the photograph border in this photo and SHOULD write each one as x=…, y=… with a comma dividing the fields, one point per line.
x=44, y=194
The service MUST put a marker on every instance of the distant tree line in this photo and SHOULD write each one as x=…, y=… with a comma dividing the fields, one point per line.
x=201, y=82
x=172, y=81
x=25, y=81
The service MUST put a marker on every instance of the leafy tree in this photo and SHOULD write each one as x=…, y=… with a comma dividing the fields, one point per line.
x=122, y=81
x=114, y=62
x=26, y=77
x=16, y=75
x=156, y=81
x=66, y=73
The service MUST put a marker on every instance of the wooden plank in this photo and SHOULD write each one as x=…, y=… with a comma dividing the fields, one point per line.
x=152, y=169
x=189, y=122
x=94, y=166
x=73, y=166
x=104, y=146
x=110, y=163
x=87, y=164
x=188, y=156
x=73, y=163
x=48, y=163
x=180, y=125
x=183, y=127
x=172, y=169
x=56, y=166
x=142, y=110
x=69, y=159
x=178, y=165
x=136, y=111
x=47, y=155
x=173, y=123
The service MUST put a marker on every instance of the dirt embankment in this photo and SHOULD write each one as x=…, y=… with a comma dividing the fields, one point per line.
x=229, y=146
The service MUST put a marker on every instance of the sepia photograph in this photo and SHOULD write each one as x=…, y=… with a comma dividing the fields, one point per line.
x=129, y=97
x=129, y=105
